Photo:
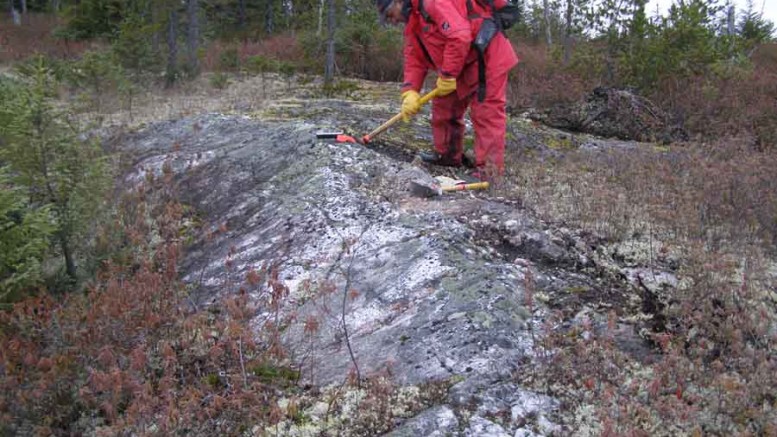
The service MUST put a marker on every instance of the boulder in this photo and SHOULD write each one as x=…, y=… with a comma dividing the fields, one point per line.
x=614, y=113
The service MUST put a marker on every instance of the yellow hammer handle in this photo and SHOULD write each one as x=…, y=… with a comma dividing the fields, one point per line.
x=421, y=102
x=466, y=187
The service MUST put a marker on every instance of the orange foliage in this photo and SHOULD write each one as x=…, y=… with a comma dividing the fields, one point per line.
x=33, y=37
x=128, y=350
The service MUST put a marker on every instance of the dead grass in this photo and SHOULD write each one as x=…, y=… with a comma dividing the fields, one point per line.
x=716, y=206
x=243, y=94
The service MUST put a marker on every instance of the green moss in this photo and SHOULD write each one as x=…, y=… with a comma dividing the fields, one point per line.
x=301, y=418
x=455, y=379
x=562, y=143
x=269, y=373
x=483, y=318
x=345, y=88
x=212, y=380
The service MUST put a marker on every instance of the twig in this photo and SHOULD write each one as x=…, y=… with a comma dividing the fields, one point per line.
x=347, y=287
x=242, y=362
x=345, y=327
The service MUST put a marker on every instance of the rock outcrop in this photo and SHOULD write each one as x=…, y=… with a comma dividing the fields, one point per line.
x=614, y=113
x=434, y=289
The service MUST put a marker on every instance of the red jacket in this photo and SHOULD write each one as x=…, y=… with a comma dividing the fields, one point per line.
x=443, y=44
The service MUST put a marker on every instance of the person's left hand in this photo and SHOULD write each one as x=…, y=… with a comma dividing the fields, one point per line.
x=445, y=85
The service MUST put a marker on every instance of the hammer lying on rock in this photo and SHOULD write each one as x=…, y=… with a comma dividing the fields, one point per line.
x=340, y=137
x=423, y=187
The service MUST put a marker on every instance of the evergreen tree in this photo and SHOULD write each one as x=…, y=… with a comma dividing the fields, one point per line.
x=56, y=168
x=753, y=28
x=24, y=236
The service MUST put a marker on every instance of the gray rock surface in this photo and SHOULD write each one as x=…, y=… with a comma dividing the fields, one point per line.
x=438, y=421
x=435, y=286
x=429, y=303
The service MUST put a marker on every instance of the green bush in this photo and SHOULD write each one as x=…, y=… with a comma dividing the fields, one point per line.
x=96, y=75
x=229, y=59
x=133, y=49
x=219, y=80
x=261, y=64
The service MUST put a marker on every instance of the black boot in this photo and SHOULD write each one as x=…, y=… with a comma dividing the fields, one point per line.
x=432, y=157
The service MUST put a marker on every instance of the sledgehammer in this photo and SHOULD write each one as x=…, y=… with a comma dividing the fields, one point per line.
x=380, y=129
x=437, y=186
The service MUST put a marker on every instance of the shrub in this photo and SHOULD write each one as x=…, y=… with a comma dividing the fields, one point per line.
x=219, y=80
x=229, y=59
x=98, y=75
x=712, y=204
x=540, y=82
x=260, y=65
x=126, y=356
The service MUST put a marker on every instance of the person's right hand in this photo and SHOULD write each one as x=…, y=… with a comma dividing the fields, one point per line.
x=410, y=104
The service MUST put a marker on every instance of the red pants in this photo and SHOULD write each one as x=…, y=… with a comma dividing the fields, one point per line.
x=488, y=119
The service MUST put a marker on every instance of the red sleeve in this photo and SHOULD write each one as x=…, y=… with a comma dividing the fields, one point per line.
x=450, y=16
x=416, y=66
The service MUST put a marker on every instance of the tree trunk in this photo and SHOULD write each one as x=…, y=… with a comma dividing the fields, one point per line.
x=269, y=26
x=320, y=17
x=172, y=46
x=731, y=20
x=241, y=14
x=546, y=18
x=329, y=67
x=70, y=265
x=14, y=13
x=568, y=31
x=193, y=37
x=156, y=36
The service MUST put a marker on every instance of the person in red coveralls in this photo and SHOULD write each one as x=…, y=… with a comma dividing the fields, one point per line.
x=472, y=68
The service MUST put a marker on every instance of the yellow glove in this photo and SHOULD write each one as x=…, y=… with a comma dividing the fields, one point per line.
x=410, y=104
x=445, y=85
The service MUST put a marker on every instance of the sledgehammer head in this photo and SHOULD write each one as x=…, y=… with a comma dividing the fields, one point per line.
x=418, y=182
x=337, y=136
x=424, y=188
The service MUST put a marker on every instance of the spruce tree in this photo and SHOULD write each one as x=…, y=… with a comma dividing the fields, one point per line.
x=58, y=169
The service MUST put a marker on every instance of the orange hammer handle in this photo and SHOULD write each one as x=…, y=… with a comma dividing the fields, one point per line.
x=380, y=129
x=466, y=187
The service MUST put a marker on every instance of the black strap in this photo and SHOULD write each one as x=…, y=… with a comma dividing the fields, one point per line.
x=481, y=57
x=494, y=16
x=423, y=12
x=426, y=53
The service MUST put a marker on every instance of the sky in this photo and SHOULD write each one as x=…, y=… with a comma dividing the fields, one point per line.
x=769, y=7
